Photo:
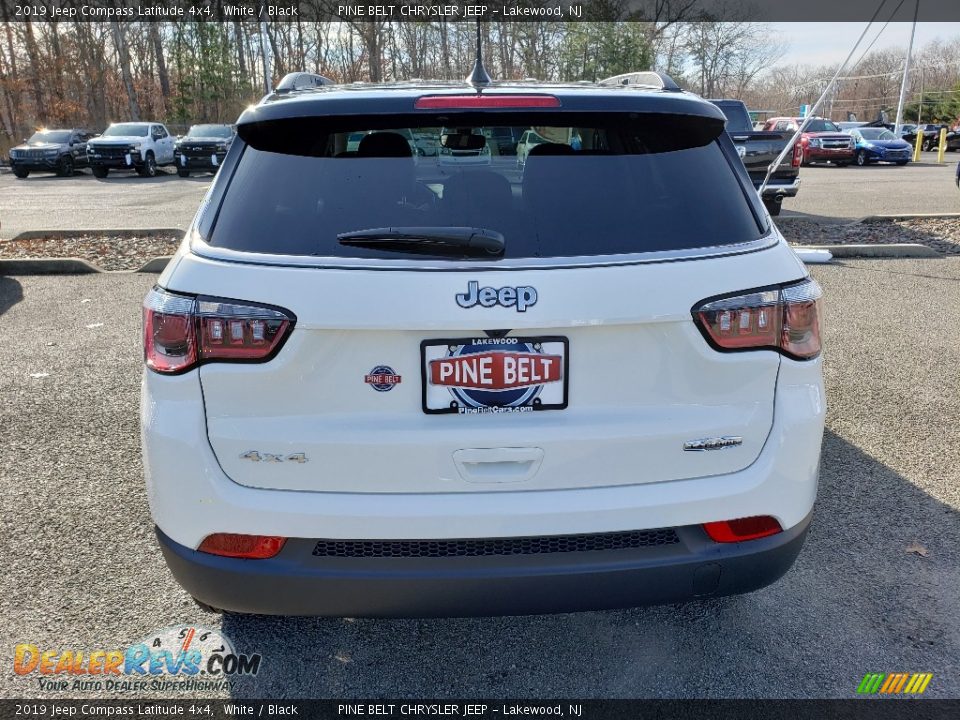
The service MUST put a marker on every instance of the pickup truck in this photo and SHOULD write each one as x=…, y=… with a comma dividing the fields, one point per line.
x=758, y=150
x=822, y=141
x=140, y=146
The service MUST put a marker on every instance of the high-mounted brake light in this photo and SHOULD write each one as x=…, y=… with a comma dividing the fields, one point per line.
x=181, y=331
x=750, y=528
x=786, y=319
x=252, y=547
x=485, y=102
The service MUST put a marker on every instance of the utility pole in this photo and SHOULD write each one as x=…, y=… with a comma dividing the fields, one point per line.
x=906, y=73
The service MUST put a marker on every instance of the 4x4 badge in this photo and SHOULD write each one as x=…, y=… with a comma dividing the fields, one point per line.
x=521, y=297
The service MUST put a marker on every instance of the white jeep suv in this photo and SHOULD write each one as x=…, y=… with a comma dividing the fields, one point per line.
x=380, y=387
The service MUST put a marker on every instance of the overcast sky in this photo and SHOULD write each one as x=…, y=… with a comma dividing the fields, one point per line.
x=821, y=43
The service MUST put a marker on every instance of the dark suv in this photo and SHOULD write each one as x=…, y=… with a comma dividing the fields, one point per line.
x=58, y=151
x=203, y=148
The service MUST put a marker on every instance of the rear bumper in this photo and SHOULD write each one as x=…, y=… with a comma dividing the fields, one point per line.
x=784, y=188
x=296, y=582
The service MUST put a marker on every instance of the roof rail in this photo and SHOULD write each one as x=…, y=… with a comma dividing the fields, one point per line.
x=301, y=81
x=646, y=78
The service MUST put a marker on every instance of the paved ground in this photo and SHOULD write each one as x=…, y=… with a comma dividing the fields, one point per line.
x=121, y=200
x=125, y=200
x=853, y=192
x=81, y=569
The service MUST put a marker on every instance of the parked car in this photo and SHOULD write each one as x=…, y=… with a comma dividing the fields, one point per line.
x=880, y=145
x=203, y=148
x=463, y=146
x=758, y=150
x=140, y=146
x=353, y=141
x=505, y=140
x=373, y=389
x=49, y=150
x=931, y=135
x=821, y=141
x=528, y=140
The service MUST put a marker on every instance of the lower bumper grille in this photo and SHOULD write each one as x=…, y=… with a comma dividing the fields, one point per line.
x=110, y=153
x=485, y=547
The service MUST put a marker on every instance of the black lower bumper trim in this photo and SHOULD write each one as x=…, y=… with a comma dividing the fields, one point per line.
x=36, y=166
x=296, y=582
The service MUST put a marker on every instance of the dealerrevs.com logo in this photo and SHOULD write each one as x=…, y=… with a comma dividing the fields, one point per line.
x=183, y=657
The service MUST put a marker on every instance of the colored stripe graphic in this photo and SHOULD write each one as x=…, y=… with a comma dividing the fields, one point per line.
x=894, y=683
x=919, y=681
x=870, y=683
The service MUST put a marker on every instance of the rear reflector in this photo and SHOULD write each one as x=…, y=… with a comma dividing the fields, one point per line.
x=253, y=547
x=785, y=318
x=751, y=528
x=481, y=102
x=180, y=331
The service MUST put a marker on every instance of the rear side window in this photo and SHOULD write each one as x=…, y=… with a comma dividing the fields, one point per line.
x=738, y=118
x=552, y=184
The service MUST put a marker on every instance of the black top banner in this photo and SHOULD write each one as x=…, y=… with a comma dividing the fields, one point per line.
x=892, y=709
x=358, y=11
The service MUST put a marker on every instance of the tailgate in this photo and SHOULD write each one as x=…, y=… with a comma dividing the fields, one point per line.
x=342, y=408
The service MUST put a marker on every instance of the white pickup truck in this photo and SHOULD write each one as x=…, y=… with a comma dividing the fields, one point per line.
x=140, y=146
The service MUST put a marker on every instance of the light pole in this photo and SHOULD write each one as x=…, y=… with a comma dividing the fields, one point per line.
x=906, y=73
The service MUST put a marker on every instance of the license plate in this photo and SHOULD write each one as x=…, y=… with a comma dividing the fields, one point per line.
x=481, y=375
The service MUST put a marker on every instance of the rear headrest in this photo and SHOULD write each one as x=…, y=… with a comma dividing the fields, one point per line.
x=384, y=144
x=551, y=149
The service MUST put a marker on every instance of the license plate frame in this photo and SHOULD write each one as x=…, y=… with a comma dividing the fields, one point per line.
x=465, y=400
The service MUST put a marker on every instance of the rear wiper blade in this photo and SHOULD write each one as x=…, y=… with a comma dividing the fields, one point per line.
x=469, y=240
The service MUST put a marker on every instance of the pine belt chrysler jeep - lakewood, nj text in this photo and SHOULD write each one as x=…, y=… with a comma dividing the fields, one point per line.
x=379, y=383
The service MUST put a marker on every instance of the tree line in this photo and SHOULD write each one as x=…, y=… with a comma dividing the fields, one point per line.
x=88, y=74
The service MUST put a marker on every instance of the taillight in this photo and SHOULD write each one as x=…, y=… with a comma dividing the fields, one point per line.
x=786, y=319
x=252, y=547
x=750, y=528
x=181, y=331
x=480, y=102
x=797, y=155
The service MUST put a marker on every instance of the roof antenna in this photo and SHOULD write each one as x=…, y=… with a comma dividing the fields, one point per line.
x=479, y=77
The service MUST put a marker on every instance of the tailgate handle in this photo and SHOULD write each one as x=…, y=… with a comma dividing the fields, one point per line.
x=498, y=465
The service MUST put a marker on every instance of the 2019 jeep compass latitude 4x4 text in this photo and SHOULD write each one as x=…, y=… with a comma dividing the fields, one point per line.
x=378, y=384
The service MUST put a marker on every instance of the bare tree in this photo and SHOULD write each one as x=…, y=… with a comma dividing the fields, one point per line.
x=123, y=55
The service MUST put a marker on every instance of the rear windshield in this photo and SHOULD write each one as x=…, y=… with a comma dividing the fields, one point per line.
x=552, y=185
x=738, y=118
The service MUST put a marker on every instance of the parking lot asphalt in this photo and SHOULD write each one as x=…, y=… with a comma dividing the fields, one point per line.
x=82, y=569
x=854, y=192
x=120, y=201
x=125, y=200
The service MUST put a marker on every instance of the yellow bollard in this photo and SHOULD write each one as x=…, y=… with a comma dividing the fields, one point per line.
x=943, y=144
x=917, y=145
